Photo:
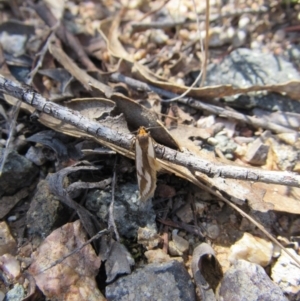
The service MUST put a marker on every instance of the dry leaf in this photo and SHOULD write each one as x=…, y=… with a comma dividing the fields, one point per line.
x=74, y=278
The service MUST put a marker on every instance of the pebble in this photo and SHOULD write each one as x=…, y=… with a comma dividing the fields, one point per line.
x=252, y=249
x=16, y=293
x=178, y=245
x=212, y=141
x=162, y=281
x=185, y=213
x=148, y=237
x=289, y=138
x=213, y=231
x=157, y=256
x=248, y=281
x=7, y=242
x=279, y=35
x=257, y=153
x=225, y=144
x=244, y=22
x=10, y=266
x=126, y=209
x=286, y=274
x=239, y=38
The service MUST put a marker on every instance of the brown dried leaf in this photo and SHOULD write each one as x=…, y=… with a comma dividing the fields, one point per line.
x=109, y=29
x=81, y=75
x=74, y=278
x=56, y=186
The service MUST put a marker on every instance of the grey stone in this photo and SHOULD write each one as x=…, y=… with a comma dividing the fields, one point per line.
x=18, y=172
x=166, y=281
x=246, y=67
x=129, y=213
x=247, y=281
x=286, y=274
x=257, y=153
x=44, y=213
x=16, y=293
x=225, y=144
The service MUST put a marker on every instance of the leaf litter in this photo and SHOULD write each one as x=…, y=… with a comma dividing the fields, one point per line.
x=156, y=61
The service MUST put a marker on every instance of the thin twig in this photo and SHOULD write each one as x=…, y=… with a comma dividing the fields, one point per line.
x=119, y=139
x=153, y=11
x=204, y=69
x=12, y=126
x=111, y=218
x=41, y=55
x=194, y=103
x=64, y=35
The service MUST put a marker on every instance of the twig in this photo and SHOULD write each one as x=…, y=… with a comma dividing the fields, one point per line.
x=9, y=140
x=204, y=54
x=111, y=218
x=64, y=35
x=154, y=10
x=194, y=103
x=206, y=43
x=166, y=154
x=41, y=55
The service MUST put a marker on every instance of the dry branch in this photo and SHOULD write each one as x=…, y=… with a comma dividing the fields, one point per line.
x=125, y=141
x=194, y=103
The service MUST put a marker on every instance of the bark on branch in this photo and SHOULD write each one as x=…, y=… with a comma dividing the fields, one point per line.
x=166, y=154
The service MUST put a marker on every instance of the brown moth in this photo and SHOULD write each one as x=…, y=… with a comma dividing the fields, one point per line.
x=146, y=164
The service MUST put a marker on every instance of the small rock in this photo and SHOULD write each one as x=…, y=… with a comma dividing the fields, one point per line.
x=213, y=231
x=289, y=138
x=279, y=35
x=148, y=238
x=165, y=191
x=200, y=207
x=244, y=22
x=17, y=170
x=36, y=155
x=7, y=242
x=245, y=67
x=285, y=156
x=294, y=227
x=185, y=213
x=10, y=266
x=256, y=45
x=253, y=249
x=206, y=122
x=225, y=144
x=159, y=256
x=44, y=211
x=248, y=281
x=16, y=293
x=129, y=214
x=158, y=36
x=286, y=274
x=167, y=281
x=212, y=141
x=257, y=153
x=178, y=245
x=239, y=39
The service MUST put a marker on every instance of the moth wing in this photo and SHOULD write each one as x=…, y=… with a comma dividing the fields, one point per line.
x=146, y=169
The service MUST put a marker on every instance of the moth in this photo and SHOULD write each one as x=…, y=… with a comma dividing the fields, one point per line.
x=146, y=164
